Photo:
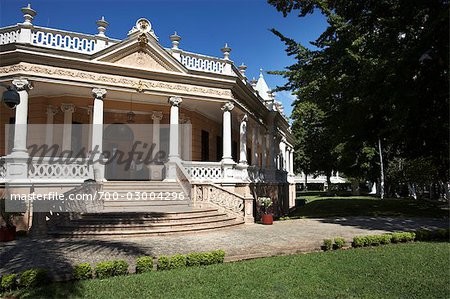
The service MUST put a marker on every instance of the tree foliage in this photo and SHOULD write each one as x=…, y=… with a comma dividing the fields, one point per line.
x=378, y=71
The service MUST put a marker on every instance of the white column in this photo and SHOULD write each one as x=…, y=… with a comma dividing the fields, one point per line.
x=156, y=117
x=243, y=139
x=264, y=150
x=291, y=161
x=97, y=133
x=226, y=135
x=68, y=110
x=288, y=157
x=282, y=154
x=22, y=86
x=255, y=145
x=90, y=112
x=51, y=111
x=185, y=138
x=175, y=103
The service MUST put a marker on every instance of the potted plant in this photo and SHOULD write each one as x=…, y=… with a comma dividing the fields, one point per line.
x=265, y=203
x=8, y=230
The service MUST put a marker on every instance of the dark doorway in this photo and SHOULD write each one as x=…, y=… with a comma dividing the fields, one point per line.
x=205, y=145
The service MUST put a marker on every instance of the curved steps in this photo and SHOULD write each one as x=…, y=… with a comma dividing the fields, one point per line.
x=145, y=223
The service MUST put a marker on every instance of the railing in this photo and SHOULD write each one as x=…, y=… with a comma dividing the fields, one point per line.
x=204, y=171
x=2, y=169
x=203, y=63
x=219, y=197
x=9, y=35
x=64, y=40
x=183, y=179
x=75, y=170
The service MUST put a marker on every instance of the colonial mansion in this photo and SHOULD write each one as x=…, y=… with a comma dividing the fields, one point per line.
x=225, y=139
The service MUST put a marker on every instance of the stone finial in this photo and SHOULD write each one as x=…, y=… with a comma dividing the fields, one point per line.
x=175, y=38
x=102, y=24
x=226, y=52
x=242, y=69
x=28, y=15
x=261, y=73
x=253, y=82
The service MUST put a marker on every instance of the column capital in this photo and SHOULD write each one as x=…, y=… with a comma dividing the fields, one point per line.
x=228, y=106
x=243, y=117
x=51, y=110
x=175, y=101
x=99, y=93
x=184, y=119
x=157, y=115
x=68, y=108
x=22, y=84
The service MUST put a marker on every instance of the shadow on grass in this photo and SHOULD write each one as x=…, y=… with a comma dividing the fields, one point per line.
x=58, y=256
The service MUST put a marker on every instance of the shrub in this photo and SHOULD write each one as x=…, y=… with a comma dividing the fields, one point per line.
x=385, y=239
x=359, y=241
x=9, y=282
x=372, y=240
x=424, y=235
x=327, y=244
x=33, y=278
x=177, y=261
x=111, y=268
x=403, y=237
x=194, y=259
x=144, y=264
x=207, y=259
x=442, y=234
x=218, y=256
x=163, y=263
x=82, y=271
x=338, y=243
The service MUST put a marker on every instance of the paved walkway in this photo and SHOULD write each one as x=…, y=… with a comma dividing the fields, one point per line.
x=241, y=242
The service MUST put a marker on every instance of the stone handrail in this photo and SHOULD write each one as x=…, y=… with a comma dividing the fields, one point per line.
x=65, y=40
x=183, y=179
x=42, y=168
x=204, y=63
x=2, y=169
x=204, y=171
x=9, y=35
x=217, y=196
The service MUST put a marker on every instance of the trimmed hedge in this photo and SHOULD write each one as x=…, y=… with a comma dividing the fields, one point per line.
x=163, y=263
x=111, y=268
x=83, y=271
x=191, y=260
x=9, y=282
x=177, y=261
x=327, y=244
x=338, y=243
x=403, y=237
x=33, y=278
x=144, y=264
x=441, y=234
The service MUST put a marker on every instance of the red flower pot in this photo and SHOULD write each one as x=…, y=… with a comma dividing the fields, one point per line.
x=267, y=219
x=7, y=234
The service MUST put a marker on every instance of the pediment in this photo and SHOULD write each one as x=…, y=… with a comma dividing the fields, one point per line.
x=144, y=59
x=146, y=55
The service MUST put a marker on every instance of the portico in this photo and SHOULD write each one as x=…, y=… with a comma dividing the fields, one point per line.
x=215, y=128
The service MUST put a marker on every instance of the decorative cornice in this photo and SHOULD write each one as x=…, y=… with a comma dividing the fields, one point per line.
x=91, y=77
x=98, y=93
x=22, y=84
x=228, y=106
x=175, y=101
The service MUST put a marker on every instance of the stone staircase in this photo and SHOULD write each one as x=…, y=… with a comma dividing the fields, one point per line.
x=123, y=217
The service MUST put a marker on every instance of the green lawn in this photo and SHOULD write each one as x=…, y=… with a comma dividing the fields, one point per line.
x=416, y=270
x=323, y=206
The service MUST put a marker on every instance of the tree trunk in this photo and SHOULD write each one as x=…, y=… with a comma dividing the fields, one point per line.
x=329, y=183
x=306, y=182
x=412, y=190
x=381, y=170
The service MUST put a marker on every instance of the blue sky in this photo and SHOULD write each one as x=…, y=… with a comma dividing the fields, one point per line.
x=203, y=25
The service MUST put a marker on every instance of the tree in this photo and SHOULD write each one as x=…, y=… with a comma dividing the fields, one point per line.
x=379, y=72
